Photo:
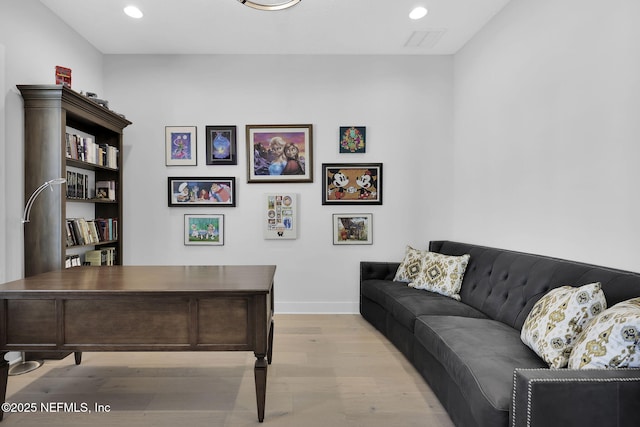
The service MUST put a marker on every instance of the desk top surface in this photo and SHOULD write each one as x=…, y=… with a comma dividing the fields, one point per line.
x=144, y=279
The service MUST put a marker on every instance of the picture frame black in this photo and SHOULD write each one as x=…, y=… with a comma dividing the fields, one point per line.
x=221, y=148
x=352, y=183
x=201, y=191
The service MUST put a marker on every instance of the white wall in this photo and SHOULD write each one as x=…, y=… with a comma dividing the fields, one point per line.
x=546, y=131
x=3, y=179
x=405, y=103
x=35, y=41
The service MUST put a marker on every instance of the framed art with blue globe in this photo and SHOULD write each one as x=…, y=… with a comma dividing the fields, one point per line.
x=221, y=145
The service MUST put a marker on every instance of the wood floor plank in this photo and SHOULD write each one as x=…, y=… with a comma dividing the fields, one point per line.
x=328, y=370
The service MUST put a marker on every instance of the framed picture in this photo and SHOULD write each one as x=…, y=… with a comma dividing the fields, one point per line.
x=203, y=229
x=279, y=153
x=280, y=216
x=180, y=145
x=352, y=229
x=194, y=191
x=352, y=183
x=353, y=139
x=221, y=145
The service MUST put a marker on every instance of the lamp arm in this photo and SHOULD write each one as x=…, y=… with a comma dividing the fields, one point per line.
x=36, y=193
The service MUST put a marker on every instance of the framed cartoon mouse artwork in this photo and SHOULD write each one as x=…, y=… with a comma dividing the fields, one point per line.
x=352, y=183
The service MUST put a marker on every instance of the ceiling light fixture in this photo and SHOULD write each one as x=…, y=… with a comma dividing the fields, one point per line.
x=278, y=6
x=133, y=12
x=418, y=13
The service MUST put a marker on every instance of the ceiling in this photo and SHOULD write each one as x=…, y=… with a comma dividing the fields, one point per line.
x=344, y=27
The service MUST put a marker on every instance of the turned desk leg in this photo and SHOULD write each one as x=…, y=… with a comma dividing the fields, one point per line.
x=4, y=375
x=260, y=372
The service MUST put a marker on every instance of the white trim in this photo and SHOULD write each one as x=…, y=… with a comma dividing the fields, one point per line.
x=317, y=307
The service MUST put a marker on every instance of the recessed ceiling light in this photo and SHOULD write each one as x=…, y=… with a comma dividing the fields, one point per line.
x=418, y=13
x=133, y=12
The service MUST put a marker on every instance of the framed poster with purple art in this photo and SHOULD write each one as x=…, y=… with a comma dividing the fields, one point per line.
x=279, y=153
x=180, y=145
x=221, y=145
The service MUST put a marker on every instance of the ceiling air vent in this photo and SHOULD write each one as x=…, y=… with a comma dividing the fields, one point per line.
x=425, y=39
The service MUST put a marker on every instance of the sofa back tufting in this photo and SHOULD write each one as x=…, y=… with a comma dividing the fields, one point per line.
x=506, y=284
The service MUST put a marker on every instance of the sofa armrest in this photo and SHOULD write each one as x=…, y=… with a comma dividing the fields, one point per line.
x=378, y=270
x=568, y=397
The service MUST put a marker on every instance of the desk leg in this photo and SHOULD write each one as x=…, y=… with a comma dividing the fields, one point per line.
x=78, y=357
x=4, y=375
x=260, y=372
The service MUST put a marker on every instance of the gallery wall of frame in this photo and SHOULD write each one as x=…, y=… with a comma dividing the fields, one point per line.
x=276, y=153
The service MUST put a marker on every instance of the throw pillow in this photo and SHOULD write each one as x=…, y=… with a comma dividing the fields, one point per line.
x=611, y=340
x=410, y=266
x=556, y=320
x=441, y=274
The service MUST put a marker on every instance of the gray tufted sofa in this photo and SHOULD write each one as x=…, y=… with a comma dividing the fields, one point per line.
x=470, y=351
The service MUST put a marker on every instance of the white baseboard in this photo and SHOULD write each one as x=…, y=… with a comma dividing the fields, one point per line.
x=317, y=307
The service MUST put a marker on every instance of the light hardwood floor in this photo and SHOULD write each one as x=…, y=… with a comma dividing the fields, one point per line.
x=327, y=370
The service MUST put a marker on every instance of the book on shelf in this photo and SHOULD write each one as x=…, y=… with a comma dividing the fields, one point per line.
x=72, y=261
x=82, y=232
x=106, y=190
x=78, y=185
x=104, y=256
x=85, y=149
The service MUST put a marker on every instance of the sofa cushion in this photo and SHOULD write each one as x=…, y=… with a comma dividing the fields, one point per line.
x=557, y=319
x=384, y=292
x=611, y=340
x=481, y=356
x=406, y=303
x=406, y=308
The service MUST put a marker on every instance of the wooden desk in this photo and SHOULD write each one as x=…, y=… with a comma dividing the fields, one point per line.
x=136, y=308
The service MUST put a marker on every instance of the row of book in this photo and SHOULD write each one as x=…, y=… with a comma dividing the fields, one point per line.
x=87, y=150
x=81, y=231
x=104, y=256
x=78, y=187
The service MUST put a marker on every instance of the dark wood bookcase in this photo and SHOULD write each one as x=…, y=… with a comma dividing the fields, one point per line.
x=49, y=112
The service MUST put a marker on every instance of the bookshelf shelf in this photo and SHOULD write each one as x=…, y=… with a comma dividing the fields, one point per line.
x=53, y=113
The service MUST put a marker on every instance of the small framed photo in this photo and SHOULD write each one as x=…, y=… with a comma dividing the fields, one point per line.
x=352, y=183
x=180, y=145
x=203, y=229
x=352, y=229
x=221, y=145
x=193, y=191
x=353, y=139
x=279, y=153
x=280, y=216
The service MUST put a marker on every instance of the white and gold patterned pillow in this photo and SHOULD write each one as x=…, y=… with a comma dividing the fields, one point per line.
x=441, y=274
x=556, y=320
x=611, y=340
x=410, y=266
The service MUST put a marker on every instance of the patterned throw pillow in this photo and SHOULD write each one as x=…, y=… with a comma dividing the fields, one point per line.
x=611, y=340
x=441, y=274
x=557, y=319
x=410, y=266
